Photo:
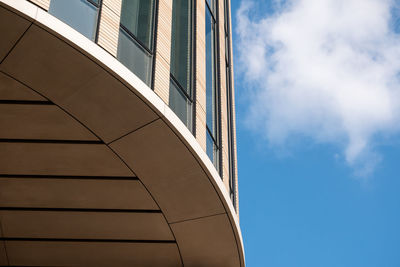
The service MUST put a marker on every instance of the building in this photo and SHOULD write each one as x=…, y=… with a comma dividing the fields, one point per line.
x=117, y=134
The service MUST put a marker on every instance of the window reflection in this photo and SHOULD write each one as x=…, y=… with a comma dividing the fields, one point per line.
x=180, y=104
x=181, y=95
x=135, y=44
x=212, y=95
x=82, y=15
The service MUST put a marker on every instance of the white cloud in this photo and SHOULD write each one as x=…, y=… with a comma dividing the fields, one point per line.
x=325, y=69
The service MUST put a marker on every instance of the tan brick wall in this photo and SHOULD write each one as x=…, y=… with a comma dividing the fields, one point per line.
x=41, y=3
x=161, y=78
x=163, y=50
x=114, y=5
x=201, y=124
x=109, y=25
x=200, y=74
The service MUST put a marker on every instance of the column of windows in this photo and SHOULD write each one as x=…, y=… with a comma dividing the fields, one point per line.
x=181, y=67
x=229, y=97
x=212, y=88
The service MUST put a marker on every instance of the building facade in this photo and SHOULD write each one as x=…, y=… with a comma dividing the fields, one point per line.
x=117, y=134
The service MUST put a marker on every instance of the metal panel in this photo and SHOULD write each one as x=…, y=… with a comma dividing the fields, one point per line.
x=41, y=253
x=85, y=225
x=60, y=159
x=49, y=122
x=168, y=169
x=12, y=27
x=11, y=89
x=201, y=239
x=83, y=88
x=74, y=193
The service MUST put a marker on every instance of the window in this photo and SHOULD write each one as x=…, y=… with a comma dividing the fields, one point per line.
x=231, y=145
x=211, y=5
x=135, y=44
x=181, y=93
x=82, y=15
x=212, y=92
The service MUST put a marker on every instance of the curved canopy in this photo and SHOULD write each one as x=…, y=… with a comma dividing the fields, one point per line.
x=100, y=168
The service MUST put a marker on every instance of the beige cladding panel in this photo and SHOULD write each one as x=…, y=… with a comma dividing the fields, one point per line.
x=163, y=50
x=109, y=25
x=201, y=94
x=42, y=3
x=113, y=5
x=225, y=169
x=225, y=166
x=161, y=78
x=164, y=28
x=200, y=74
x=201, y=124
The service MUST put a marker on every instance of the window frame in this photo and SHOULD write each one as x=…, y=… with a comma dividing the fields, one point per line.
x=100, y=7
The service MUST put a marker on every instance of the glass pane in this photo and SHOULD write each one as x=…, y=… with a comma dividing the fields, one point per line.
x=212, y=150
x=210, y=147
x=210, y=75
x=134, y=57
x=79, y=14
x=181, y=43
x=211, y=4
x=226, y=15
x=137, y=17
x=180, y=104
x=228, y=82
x=227, y=54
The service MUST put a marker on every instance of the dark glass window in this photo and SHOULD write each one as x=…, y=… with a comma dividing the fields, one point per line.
x=180, y=103
x=137, y=18
x=82, y=15
x=181, y=95
x=135, y=44
x=212, y=92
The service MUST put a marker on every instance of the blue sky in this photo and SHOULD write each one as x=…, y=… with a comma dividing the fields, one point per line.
x=318, y=132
